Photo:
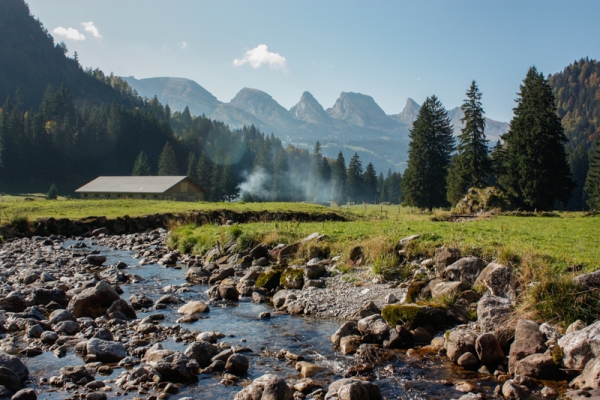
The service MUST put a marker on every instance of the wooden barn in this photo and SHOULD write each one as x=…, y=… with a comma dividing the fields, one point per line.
x=179, y=188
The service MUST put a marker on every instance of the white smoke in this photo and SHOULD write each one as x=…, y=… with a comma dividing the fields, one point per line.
x=256, y=185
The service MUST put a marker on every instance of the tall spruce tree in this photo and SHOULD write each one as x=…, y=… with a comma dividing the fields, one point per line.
x=354, y=183
x=167, y=163
x=592, y=182
x=471, y=166
x=281, y=190
x=204, y=173
x=369, y=180
x=141, y=167
x=192, y=170
x=338, y=180
x=424, y=181
x=536, y=174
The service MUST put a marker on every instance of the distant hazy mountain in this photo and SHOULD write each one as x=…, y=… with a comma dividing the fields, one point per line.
x=493, y=129
x=355, y=123
x=177, y=93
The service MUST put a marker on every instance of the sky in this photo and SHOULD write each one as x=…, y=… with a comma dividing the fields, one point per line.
x=390, y=50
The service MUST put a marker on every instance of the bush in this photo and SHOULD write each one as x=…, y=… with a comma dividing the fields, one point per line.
x=52, y=193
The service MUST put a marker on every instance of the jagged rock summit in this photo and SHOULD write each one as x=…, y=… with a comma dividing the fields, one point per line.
x=360, y=110
x=310, y=110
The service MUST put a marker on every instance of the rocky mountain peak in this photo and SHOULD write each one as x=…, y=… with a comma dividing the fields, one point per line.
x=359, y=110
x=410, y=112
x=310, y=110
x=261, y=105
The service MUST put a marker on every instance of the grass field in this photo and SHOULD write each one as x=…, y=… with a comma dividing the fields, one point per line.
x=541, y=250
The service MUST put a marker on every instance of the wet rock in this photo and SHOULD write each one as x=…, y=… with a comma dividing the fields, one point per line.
x=13, y=302
x=421, y=335
x=45, y=296
x=139, y=301
x=228, y=292
x=580, y=346
x=308, y=370
x=175, y=367
x=194, y=308
x=60, y=316
x=353, y=389
x=488, y=349
x=373, y=326
x=25, y=394
x=9, y=379
x=14, y=364
x=105, y=351
x=459, y=342
x=103, y=334
x=466, y=269
x=221, y=274
x=445, y=256
x=280, y=297
x=399, y=337
x=499, y=280
x=266, y=387
x=202, y=352
x=306, y=386
x=95, y=259
x=492, y=312
x=122, y=306
x=75, y=374
x=264, y=315
x=34, y=331
x=197, y=275
x=528, y=340
x=49, y=337
x=511, y=390
x=268, y=279
x=368, y=308
x=169, y=259
x=93, y=302
x=237, y=364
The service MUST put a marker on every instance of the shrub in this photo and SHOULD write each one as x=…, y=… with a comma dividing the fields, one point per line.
x=52, y=193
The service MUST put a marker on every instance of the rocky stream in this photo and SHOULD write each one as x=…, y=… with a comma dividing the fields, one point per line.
x=122, y=316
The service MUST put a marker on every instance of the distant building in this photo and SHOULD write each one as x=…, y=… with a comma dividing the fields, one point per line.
x=179, y=188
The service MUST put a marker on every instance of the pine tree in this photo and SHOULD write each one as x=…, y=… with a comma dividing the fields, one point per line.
x=471, y=165
x=537, y=174
x=424, y=181
x=380, y=187
x=167, y=163
x=141, y=167
x=338, y=177
x=369, y=180
x=354, y=184
x=281, y=190
x=204, y=173
x=592, y=182
x=52, y=193
x=192, y=170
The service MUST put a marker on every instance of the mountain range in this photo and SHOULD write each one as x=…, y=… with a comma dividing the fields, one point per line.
x=355, y=123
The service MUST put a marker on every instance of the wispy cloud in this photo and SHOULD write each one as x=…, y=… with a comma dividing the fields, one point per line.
x=261, y=55
x=183, y=45
x=91, y=28
x=69, y=33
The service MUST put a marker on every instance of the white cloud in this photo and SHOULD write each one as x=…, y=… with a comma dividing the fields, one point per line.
x=183, y=45
x=259, y=56
x=69, y=33
x=91, y=28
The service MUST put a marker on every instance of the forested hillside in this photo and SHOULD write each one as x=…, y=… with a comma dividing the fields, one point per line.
x=577, y=91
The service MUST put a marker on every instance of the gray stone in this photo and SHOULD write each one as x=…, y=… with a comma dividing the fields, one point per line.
x=347, y=329
x=459, y=342
x=122, y=306
x=492, y=312
x=93, y=302
x=466, y=269
x=445, y=256
x=468, y=361
x=202, y=352
x=528, y=340
x=25, y=394
x=9, y=379
x=488, y=349
x=590, y=377
x=13, y=302
x=540, y=366
x=237, y=364
x=14, y=364
x=266, y=387
x=448, y=289
x=373, y=326
x=580, y=346
x=499, y=280
x=61, y=315
x=106, y=351
x=314, y=271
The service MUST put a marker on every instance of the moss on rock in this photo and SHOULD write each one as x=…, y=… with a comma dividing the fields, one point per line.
x=412, y=315
x=292, y=278
x=268, y=279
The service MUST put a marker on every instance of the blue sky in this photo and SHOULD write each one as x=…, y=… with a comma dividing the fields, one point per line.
x=390, y=50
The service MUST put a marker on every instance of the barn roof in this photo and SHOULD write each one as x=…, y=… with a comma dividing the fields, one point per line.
x=132, y=184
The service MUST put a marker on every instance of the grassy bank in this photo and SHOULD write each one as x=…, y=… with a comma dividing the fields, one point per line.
x=541, y=250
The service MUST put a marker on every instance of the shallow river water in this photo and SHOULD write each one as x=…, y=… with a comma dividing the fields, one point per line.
x=402, y=378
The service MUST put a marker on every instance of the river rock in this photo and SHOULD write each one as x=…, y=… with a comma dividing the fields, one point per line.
x=373, y=326
x=445, y=256
x=61, y=315
x=353, y=389
x=281, y=297
x=314, y=271
x=93, y=302
x=193, y=308
x=122, y=306
x=25, y=394
x=590, y=377
x=575, y=326
x=75, y=374
x=14, y=364
x=13, y=302
x=448, y=289
x=349, y=344
x=45, y=296
x=459, y=342
x=347, y=329
x=197, y=275
x=202, y=352
x=499, y=280
x=528, y=340
x=67, y=327
x=488, y=349
x=237, y=364
x=466, y=269
x=266, y=387
x=539, y=365
x=9, y=379
x=139, y=301
x=228, y=292
x=175, y=367
x=580, y=346
x=468, y=361
x=492, y=312
x=512, y=390
x=95, y=259
x=105, y=351
x=583, y=394
x=367, y=309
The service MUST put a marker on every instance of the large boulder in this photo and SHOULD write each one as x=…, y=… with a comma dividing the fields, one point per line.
x=448, y=289
x=173, y=365
x=193, y=308
x=106, y=351
x=237, y=364
x=347, y=329
x=14, y=364
x=61, y=315
x=353, y=389
x=45, y=296
x=492, y=312
x=93, y=302
x=466, y=269
x=266, y=387
x=202, y=352
x=13, y=302
x=139, y=301
x=590, y=377
x=459, y=342
x=374, y=326
x=528, y=340
x=540, y=366
x=488, y=349
x=580, y=346
x=9, y=379
x=445, y=256
x=499, y=280
x=197, y=275
x=413, y=315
